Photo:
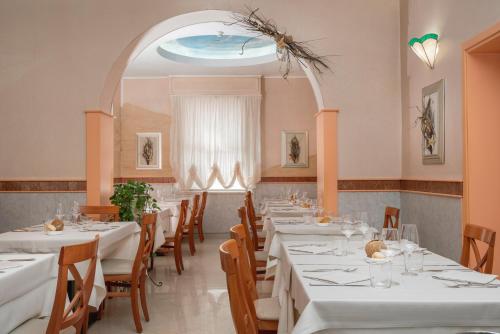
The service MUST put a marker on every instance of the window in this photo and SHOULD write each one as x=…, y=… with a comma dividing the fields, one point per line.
x=216, y=141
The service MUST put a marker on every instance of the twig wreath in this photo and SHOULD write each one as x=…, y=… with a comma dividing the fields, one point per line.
x=286, y=48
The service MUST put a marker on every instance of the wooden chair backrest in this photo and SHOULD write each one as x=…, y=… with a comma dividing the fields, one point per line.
x=253, y=225
x=243, y=320
x=391, y=213
x=146, y=244
x=237, y=233
x=182, y=220
x=194, y=211
x=105, y=212
x=251, y=207
x=201, y=210
x=248, y=241
x=471, y=234
x=76, y=312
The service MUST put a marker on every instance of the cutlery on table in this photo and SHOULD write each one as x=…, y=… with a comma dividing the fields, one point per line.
x=346, y=270
x=444, y=269
x=470, y=285
x=305, y=245
x=331, y=282
x=300, y=251
x=342, y=285
x=18, y=260
x=465, y=283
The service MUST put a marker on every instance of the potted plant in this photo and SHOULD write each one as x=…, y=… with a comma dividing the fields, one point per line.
x=134, y=199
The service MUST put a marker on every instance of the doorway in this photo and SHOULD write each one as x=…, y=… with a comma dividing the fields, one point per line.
x=481, y=57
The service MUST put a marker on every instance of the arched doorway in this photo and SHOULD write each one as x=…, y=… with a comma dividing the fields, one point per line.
x=98, y=180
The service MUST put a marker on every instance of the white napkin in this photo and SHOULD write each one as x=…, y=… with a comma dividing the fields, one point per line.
x=310, y=249
x=341, y=277
x=9, y=265
x=467, y=276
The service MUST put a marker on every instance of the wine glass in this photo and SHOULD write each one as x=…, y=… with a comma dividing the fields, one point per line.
x=75, y=212
x=348, y=229
x=59, y=211
x=390, y=236
x=409, y=246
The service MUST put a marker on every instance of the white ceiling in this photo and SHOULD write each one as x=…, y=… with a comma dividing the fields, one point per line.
x=149, y=63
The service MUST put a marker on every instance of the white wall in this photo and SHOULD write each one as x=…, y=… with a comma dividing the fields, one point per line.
x=56, y=55
x=455, y=21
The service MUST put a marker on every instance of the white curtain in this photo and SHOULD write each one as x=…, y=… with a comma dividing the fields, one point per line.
x=215, y=137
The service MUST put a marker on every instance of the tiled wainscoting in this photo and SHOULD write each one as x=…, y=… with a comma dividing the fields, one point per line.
x=438, y=219
x=20, y=209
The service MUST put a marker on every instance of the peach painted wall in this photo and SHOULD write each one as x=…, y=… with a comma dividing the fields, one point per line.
x=286, y=105
x=455, y=21
x=50, y=77
x=483, y=138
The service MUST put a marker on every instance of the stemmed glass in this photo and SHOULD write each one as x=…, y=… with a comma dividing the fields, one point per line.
x=409, y=244
x=59, y=211
x=348, y=229
x=75, y=212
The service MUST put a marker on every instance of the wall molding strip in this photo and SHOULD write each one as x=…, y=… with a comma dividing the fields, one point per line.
x=425, y=187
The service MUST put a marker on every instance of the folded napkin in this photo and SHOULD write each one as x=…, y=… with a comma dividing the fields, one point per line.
x=310, y=249
x=96, y=228
x=9, y=265
x=341, y=277
x=466, y=276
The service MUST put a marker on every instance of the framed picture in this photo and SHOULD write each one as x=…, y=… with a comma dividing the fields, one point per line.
x=294, y=149
x=432, y=124
x=148, y=150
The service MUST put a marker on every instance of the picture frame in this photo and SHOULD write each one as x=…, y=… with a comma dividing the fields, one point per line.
x=294, y=149
x=432, y=123
x=148, y=150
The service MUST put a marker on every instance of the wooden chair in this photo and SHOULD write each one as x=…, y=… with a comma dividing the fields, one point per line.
x=189, y=228
x=258, y=259
x=133, y=272
x=76, y=313
x=391, y=213
x=258, y=236
x=471, y=234
x=104, y=212
x=250, y=314
x=251, y=207
x=264, y=288
x=173, y=240
x=199, y=216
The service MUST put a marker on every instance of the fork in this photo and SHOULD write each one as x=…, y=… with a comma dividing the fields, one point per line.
x=346, y=270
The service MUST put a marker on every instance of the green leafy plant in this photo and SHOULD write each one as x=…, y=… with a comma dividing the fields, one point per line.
x=133, y=198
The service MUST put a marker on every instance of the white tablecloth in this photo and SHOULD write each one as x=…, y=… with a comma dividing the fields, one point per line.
x=118, y=243
x=169, y=214
x=278, y=229
x=285, y=211
x=27, y=291
x=414, y=304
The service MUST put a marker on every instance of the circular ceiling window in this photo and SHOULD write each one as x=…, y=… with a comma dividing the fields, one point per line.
x=216, y=44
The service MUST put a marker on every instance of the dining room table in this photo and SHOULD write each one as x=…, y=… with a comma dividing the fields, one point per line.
x=168, y=214
x=333, y=294
x=27, y=287
x=117, y=240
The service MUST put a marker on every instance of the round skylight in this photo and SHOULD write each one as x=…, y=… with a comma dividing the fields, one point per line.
x=216, y=44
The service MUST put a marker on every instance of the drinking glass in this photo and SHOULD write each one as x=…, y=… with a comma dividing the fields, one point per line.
x=59, y=211
x=390, y=236
x=380, y=273
x=348, y=229
x=363, y=227
x=75, y=212
x=409, y=245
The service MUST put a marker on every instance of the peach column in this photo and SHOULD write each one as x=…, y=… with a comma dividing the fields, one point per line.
x=326, y=141
x=99, y=141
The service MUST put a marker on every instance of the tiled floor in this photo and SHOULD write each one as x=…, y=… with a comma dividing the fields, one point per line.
x=194, y=302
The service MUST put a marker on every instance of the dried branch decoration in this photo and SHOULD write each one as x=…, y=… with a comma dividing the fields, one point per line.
x=147, y=151
x=286, y=48
x=427, y=128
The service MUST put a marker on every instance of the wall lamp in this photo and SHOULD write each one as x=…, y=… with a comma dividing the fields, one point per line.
x=426, y=48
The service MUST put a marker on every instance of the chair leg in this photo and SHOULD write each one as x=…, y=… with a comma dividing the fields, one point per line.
x=135, y=307
x=180, y=257
x=201, y=236
x=85, y=323
x=192, y=249
x=177, y=260
x=142, y=290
